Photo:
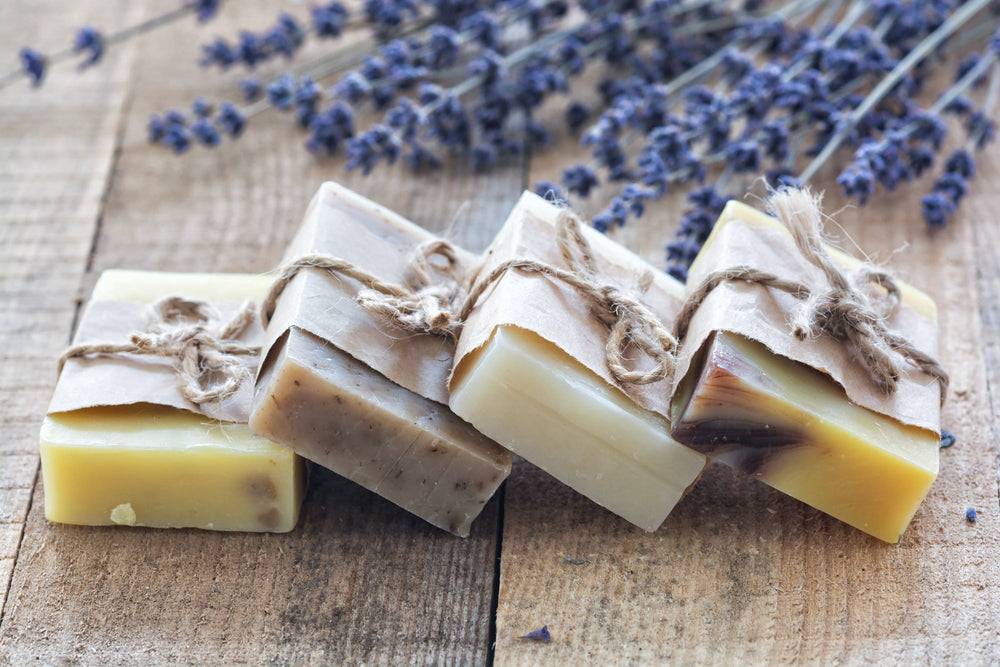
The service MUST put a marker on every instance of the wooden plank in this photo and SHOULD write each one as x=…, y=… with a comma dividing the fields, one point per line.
x=740, y=573
x=56, y=148
x=360, y=580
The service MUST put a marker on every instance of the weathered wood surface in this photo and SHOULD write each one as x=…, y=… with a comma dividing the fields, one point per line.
x=738, y=574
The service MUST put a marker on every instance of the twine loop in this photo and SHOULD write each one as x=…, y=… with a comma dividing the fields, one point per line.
x=191, y=333
x=630, y=321
x=425, y=305
x=851, y=308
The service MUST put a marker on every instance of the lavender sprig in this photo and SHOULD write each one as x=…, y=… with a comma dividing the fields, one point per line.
x=93, y=43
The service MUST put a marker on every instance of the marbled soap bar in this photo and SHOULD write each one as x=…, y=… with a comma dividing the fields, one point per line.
x=161, y=466
x=524, y=382
x=793, y=426
x=359, y=397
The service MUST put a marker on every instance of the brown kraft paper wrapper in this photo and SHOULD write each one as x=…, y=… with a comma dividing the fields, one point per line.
x=558, y=312
x=128, y=379
x=755, y=240
x=342, y=223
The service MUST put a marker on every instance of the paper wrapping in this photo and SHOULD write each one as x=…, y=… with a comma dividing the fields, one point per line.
x=741, y=238
x=344, y=224
x=557, y=312
x=129, y=379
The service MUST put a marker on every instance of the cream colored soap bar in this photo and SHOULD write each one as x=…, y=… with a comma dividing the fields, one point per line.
x=533, y=397
x=794, y=427
x=161, y=466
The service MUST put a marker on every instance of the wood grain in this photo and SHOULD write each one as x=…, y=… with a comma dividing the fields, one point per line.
x=738, y=574
x=360, y=581
x=55, y=156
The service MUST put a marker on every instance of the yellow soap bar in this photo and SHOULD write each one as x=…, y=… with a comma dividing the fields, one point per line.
x=794, y=427
x=163, y=467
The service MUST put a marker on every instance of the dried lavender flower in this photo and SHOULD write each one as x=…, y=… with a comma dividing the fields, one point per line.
x=541, y=635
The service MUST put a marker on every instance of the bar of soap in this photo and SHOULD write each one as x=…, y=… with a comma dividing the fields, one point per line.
x=543, y=403
x=794, y=427
x=358, y=396
x=161, y=466
x=411, y=450
x=526, y=393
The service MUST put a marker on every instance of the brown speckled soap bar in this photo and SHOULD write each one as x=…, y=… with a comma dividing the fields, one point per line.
x=359, y=397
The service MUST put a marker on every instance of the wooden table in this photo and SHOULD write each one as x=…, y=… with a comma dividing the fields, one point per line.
x=737, y=574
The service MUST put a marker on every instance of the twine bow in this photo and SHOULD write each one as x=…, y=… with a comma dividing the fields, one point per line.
x=192, y=334
x=842, y=308
x=630, y=321
x=425, y=305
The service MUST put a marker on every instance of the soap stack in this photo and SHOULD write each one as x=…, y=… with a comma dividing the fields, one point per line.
x=418, y=370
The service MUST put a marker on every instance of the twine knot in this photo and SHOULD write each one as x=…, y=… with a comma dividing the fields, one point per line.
x=424, y=305
x=434, y=290
x=850, y=308
x=200, y=344
x=629, y=319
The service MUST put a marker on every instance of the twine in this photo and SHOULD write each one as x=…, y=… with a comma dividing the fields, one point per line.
x=191, y=333
x=840, y=308
x=630, y=321
x=425, y=306
x=439, y=299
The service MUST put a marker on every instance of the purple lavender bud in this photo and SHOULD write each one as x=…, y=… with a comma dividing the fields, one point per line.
x=328, y=20
x=33, y=64
x=962, y=163
x=952, y=185
x=429, y=93
x=579, y=179
x=156, y=127
x=389, y=13
x=404, y=118
x=330, y=128
x=541, y=634
x=857, y=182
x=174, y=117
x=443, y=46
x=231, y=120
x=286, y=36
x=252, y=49
x=201, y=107
x=577, y=114
x=489, y=66
x=281, y=93
x=353, y=88
x=218, y=53
x=937, y=207
x=252, y=89
x=982, y=128
x=550, y=191
x=205, y=10
x=205, y=132
x=177, y=138
x=782, y=177
x=959, y=106
x=483, y=29
x=378, y=143
x=919, y=159
x=966, y=65
x=88, y=40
